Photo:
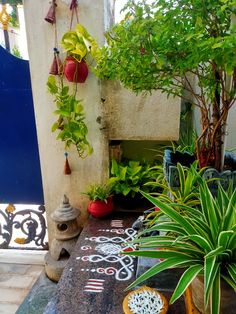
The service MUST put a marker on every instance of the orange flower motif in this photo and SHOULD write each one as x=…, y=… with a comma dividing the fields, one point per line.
x=10, y=208
x=20, y=240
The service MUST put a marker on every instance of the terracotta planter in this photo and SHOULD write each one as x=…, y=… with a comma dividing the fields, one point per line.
x=100, y=209
x=228, y=300
x=75, y=71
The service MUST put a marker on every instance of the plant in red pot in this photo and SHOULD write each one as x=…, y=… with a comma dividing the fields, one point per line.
x=101, y=203
x=79, y=44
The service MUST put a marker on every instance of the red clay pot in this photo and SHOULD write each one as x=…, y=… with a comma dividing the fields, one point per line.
x=75, y=71
x=100, y=209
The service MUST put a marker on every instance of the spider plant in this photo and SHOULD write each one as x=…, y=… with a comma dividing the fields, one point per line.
x=204, y=244
x=188, y=191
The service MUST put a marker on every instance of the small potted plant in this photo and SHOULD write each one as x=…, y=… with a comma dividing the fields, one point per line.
x=101, y=203
x=128, y=178
x=78, y=44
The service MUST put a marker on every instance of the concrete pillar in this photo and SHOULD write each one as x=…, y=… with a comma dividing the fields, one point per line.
x=94, y=168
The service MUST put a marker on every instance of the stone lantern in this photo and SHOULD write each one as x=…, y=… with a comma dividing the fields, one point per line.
x=66, y=231
x=65, y=222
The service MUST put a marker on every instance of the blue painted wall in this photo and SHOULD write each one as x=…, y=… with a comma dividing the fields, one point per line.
x=20, y=175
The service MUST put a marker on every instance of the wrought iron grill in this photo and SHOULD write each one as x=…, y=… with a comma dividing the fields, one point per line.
x=25, y=228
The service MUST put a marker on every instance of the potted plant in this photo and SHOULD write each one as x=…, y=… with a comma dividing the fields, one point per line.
x=100, y=197
x=190, y=48
x=128, y=178
x=200, y=240
x=71, y=118
x=185, y=189
x=78, y=44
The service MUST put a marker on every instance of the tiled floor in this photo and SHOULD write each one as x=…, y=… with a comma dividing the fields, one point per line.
x=15, y=282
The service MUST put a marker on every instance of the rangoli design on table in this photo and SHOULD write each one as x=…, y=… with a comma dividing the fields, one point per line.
x=107, y=249
x=117, y=223
x=94, y=285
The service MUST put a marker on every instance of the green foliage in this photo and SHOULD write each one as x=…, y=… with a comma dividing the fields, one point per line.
x=176, y=38
x=128, y=179
x=186, y=142
x=99, y=192
x=16, y=52
x=14, y=2
x=188, y=192
x=204, y=243
x=79, y=43
x=161, y=45
x=71, y=119
x=14, y=17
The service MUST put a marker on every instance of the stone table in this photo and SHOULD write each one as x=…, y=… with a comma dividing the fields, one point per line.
x=96, y=275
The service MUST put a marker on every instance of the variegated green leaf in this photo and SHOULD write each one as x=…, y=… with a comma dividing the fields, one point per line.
x=224, y=237
x=168, y=210
x=185, y=281
x=216, y=294
x=169, y=263
x=210, y=271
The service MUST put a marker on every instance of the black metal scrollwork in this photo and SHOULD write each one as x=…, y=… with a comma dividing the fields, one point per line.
x=29, y=222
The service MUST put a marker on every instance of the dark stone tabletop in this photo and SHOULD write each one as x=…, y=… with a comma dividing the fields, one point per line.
x=96, y=275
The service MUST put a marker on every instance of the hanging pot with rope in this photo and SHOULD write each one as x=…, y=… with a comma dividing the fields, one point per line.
x=75, y=71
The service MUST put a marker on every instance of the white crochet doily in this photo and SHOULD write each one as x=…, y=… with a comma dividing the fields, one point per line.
x=145, y=302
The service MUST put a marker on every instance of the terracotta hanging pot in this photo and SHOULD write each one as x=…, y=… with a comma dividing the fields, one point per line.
x=100, y=209
x=75, y=71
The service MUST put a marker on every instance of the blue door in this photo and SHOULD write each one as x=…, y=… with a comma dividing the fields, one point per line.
x=20, y=174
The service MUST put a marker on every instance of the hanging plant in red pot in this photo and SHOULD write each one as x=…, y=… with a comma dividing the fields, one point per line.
x=101, y=203
x=75, y=71
x=79, y=44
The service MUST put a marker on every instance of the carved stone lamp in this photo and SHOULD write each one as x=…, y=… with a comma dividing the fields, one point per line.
x=65, y=222
x=66, y=230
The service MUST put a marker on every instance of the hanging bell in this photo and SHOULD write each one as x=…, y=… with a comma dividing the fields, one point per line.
x=73, y=4
x=67, y=170
x=51, y=15
x=56, y=67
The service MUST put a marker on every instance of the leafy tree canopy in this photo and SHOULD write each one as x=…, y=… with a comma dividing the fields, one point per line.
x=158, y=45
x=14, y=2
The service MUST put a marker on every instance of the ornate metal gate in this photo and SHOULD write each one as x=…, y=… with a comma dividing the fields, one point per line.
x=20, y=175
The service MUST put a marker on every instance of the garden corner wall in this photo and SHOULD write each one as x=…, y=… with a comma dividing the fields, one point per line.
x=145, y=117
x=111, y=111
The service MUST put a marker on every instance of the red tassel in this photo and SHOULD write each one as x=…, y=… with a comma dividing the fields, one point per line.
x=73, y=4
x=56, y=67
x=51, y=15
x=67, y=169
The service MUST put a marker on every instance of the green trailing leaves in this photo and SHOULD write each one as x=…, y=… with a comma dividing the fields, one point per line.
x=70, y=124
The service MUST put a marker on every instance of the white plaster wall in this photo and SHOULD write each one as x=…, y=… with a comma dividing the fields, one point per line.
x=40, y=43
x=143, y=117
x=231, y=129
